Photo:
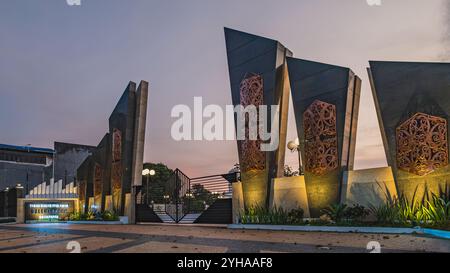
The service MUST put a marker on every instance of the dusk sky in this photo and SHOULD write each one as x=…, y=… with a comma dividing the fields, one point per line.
x=63, y=68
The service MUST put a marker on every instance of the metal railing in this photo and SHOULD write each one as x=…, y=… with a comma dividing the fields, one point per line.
x=192, y=196
x=177, y=187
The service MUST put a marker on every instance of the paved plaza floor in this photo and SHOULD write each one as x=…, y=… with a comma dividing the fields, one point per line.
x=160, y=238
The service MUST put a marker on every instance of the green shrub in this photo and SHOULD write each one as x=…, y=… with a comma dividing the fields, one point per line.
x=385, y=214
x=110, y=216
x=74, y=216
x=274, y=216
x=93, y=216
x=425, y=211
x=295, y=216
x=336, y=212
x=356, y=213
x=341, y=213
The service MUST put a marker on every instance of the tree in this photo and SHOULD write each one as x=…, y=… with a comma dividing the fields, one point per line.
x=157, y=183
x=201, y=197
x=236, y=168
x=289, y=172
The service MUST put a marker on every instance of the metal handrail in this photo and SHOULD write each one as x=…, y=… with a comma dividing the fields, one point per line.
x=179, y=189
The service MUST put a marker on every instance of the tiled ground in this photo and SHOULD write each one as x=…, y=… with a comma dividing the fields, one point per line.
x=198, y=239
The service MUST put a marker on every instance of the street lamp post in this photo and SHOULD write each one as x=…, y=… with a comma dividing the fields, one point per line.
x=147, y=173
x=295, y=146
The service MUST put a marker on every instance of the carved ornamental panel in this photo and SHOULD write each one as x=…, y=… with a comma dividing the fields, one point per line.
x=321, y=143
x=422, y=144
x=98, y=180
x=82, y=190
x=116, y=168
x=117, y=145
x=251, y=93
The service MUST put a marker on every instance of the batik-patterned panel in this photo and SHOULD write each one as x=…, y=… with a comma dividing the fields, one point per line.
x=82, y=190
x=422, y=145
x=251, y=93
x=117, y=145
x=98, y=181
x=321, y=144
x=116, y=168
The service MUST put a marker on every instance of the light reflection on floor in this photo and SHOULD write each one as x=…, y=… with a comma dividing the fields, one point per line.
x=157, y=238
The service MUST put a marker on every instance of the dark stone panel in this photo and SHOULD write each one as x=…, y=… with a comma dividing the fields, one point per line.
x=84, y=175
x=248, y=55
x=315, y=83
x=68, y=158
x=12, y=196
x=401, y=90
x=122, y=120
x=312, y=81
x=102, y=171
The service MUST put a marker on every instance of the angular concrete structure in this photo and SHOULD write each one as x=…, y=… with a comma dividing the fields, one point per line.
x=289, y=193
x=107, y=179
x=369, y=187
x=258, y=76
x=326, y=104
x=413, y=106
x=121, y=128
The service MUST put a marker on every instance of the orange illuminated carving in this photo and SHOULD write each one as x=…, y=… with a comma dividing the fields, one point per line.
x=116, y=168
x=117, y=145
x=82, y=190
x=321, y=144
x=251, y=93
x=422, y=145
x=98, y=181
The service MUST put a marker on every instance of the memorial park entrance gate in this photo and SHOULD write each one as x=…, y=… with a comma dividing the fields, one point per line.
x=205, y=200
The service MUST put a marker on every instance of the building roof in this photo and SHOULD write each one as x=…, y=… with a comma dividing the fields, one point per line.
x=26, y=149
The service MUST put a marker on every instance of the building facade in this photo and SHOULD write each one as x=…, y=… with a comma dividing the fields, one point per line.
x=24, y=165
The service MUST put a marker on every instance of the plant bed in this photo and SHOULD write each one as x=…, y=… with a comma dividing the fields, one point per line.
x=337, y=229
x=95, y=222
x=86, y=222
x=93, y=216
x=430, y=212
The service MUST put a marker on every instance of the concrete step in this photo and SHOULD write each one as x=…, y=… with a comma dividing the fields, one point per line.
x=190, y=218
x=164, y=217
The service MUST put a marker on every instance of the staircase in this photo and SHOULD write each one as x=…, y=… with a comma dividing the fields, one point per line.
x=190, y=218
x=145, y=214
x=220, y=212
x=164, y=217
